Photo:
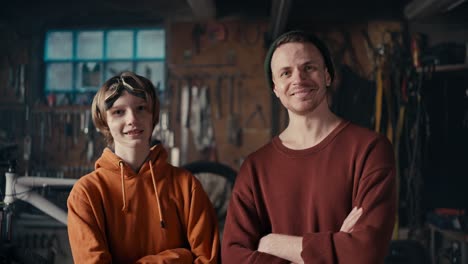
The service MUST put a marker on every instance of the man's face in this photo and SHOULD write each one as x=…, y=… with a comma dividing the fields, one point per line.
x=130, y=122
x=300, y=77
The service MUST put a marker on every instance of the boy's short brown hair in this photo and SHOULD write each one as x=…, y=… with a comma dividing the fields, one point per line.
x=112, y=89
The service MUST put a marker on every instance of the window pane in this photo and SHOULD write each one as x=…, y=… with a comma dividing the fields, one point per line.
x=154, y=71
x=114, y=68
x=150, y=44
x=59, y=45
x=59, y=76
x=78, y=62
x=88, y=75
x=90, y=45
x=120, y=44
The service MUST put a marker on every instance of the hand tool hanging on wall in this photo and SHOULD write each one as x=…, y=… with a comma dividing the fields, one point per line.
x=378, y=98
x=257, y=112
x=68, y=128
x=197, y=32
x=212, y=151
x=27, y=141
x=27, y=152
x=349, y=47
x=239, y=132
x=189, y=103
x=17, y=81
x=22, y=87
x=178, y=95
x=11, y=78
x=195, y=116
x=201, y=125
x=219, y=92
x=76, y=127
x=166, y=135
x=233, y=126
x=42, y=128
x=377, y=57
x=49, y=127
x=247, y=36
x=216, y=32
x=88, y=130
x=184, y=112
x=12, y=87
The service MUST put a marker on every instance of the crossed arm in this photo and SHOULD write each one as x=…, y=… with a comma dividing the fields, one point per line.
x=290, y=247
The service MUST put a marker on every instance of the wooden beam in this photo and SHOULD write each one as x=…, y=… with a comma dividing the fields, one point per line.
x=203, y=9
x=425, y=8
x=280, y=10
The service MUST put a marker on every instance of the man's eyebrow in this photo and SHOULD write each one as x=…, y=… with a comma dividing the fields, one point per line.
x=284, y=68
x=312, y=62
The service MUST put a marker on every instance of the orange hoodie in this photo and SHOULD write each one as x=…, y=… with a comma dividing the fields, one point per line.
x=159, y=215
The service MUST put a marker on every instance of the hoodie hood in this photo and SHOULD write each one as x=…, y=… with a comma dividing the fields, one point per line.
x=110, y=161
x=156, y=157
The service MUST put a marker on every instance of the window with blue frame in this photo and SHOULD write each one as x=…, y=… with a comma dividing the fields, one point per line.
x=79, y=61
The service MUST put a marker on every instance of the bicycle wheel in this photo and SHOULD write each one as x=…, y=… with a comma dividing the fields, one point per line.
x=217, y=180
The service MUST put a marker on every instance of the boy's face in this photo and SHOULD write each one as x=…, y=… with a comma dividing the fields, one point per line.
x=130, y=122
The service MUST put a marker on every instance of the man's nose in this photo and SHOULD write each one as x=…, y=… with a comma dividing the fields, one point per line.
x=298, y=75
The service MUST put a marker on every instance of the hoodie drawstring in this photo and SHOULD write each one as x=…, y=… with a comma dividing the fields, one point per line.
x=124, y=195
x=163, y=225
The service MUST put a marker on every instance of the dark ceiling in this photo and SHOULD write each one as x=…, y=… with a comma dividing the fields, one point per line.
x=286, y=13
x=312, y=10
x=144, y=10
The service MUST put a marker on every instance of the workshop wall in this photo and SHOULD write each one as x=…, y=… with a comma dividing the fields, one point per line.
x=200, y=53
x=226, y=57
x=14, y=61
x=211, y=54
x=44, y=140
x=226, y=53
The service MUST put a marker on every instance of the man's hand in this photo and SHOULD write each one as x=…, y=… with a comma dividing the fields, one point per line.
x=351, y=219
x=283, y=246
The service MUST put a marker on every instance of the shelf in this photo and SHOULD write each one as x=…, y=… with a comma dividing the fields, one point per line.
x=452, y=234
x=61, y=109
x=13, y=106
x=448, y=67
x=448, y=236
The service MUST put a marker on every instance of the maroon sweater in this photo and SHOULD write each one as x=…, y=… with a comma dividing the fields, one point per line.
x=309, y=193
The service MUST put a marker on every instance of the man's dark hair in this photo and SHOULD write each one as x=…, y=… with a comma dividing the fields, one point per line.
x=301, y=37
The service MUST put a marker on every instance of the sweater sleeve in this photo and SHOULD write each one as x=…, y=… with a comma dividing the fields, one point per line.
x=202, y=227
x=376, y=194
x=170, y=256
x=87, y=241
x=243, y=228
